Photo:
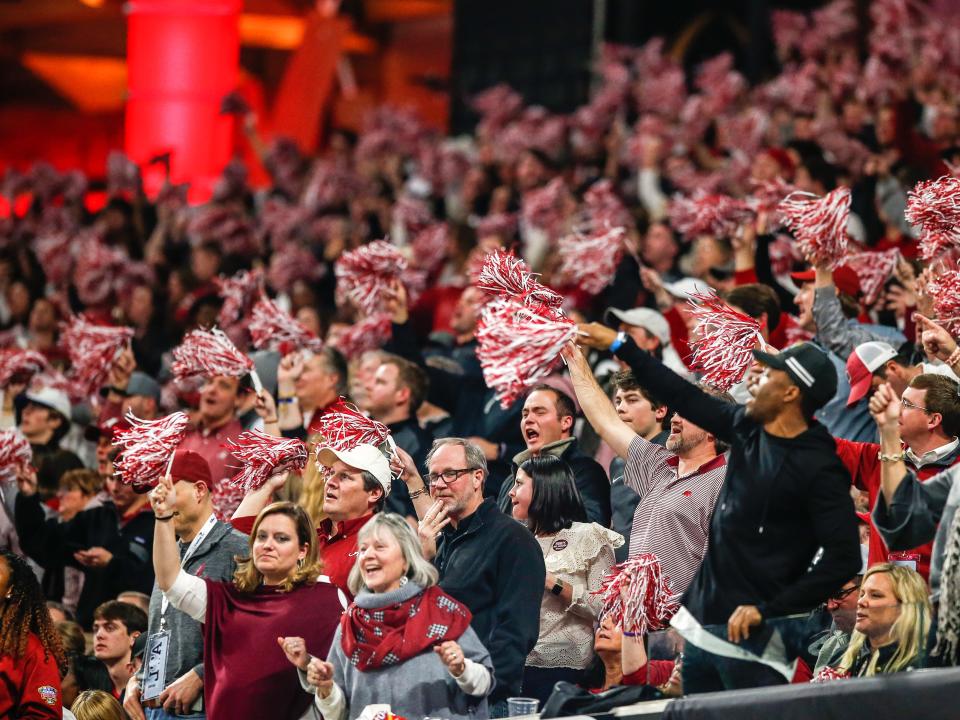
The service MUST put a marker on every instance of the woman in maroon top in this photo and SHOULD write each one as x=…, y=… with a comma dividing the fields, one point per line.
x=31, y=657
x=274, y=594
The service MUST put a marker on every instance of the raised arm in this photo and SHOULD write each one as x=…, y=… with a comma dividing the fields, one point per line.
x=256, y=500
x=885, y=409
x=166, y=554
x=406, y=471
x=713, y=415
x=596, y=406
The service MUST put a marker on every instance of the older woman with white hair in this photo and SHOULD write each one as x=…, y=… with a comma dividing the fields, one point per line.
x=403, y=641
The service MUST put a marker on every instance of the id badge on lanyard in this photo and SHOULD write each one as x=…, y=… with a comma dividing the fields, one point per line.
x=155, y=665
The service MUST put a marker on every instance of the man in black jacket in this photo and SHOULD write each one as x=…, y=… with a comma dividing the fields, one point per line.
x=487, y=561
x=547, y=426
x=786, y=498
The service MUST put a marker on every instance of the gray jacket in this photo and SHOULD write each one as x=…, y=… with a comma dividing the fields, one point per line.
x=418, y=687
x=213, y=559
x=921, y=512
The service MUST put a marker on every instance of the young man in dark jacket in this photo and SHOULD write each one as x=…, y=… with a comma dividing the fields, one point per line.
x=487, y=560
x=786, y=497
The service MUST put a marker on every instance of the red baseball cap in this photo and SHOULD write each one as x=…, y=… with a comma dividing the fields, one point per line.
x=863, y=362
x=188, y=466
x=845, y=279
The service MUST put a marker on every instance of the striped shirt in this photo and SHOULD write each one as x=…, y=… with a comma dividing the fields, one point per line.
x=672, y=519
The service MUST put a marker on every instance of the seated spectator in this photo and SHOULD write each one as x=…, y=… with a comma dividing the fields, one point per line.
x=356, y=488
x=59, y=613
x=577, y=555
x=393, y=396
x=116, y=627
x=75, y=646
x=547, y=426
x=843, y=610
x=274, y=593
x=137, y=599
x=32, y=659
x=890, y=632
x=110, y=543
x=622, y=660
x=97, y=705
x=403, y=642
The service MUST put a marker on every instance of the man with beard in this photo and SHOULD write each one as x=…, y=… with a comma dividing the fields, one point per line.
x=783, y=537
x=677, y=485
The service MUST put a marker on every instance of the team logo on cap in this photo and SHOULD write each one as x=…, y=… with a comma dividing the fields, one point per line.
x=48, y=693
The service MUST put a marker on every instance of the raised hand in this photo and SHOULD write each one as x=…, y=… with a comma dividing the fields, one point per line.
x=289, y=371
x=405, y=468
x=596, y=335
x=163, y=498
x=937, y=342
x=452, y=656
x=27, y=479
x=397, y=304
x=885, y=406
x=295, y=648
x=434, y=520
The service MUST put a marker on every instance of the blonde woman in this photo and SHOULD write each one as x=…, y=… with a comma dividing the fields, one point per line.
x=893, y=619
x=403, y=642
x=246, y=623
x=97, y=705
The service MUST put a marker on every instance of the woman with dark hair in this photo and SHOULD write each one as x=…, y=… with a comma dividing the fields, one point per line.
x=32, y=660
x=577, y=554
x=248, y=623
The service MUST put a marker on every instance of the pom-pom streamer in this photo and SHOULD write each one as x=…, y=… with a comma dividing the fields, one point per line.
x=93, y=350
x=147, y=448
x=264, y=455
x=19, y=366
x=648, y=604
x=273, y=329
x=725, y=339
x=818, y=224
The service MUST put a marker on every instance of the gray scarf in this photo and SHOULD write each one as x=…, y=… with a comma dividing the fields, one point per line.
x=948, y=615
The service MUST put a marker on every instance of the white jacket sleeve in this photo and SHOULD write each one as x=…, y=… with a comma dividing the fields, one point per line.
x=475, y=679
x=650, y=194
x=334, y=705
x=189, y=594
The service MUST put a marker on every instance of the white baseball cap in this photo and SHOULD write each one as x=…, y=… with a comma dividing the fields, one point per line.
x=361, y=457
x=650, y=320
x=685, y=287
x=51, y=398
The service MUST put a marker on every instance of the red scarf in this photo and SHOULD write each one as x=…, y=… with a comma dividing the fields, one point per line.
x=387, y=636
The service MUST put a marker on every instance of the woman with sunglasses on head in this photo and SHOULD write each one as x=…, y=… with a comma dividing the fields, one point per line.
x=273, y=606
x=577, y=555
x=403, y=642
x=892, y=622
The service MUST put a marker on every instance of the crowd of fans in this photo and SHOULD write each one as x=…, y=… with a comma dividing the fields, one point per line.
x=488, y=551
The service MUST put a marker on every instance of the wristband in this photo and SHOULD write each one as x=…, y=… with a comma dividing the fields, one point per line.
x=627, y=633
x=896, y=457
x=618, y=341
x=417, y=493
x=954, y=357
x=164, y=518
x=285, y=400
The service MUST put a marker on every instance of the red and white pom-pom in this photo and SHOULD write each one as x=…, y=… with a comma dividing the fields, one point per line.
x=828, y=674
x=366, y=274
x=590, y=261
x=819, y=224
x=544, y=207
x=344, y=427
x=96, y=270
x=934, y=206
x=413, y=213
x=225, y=499
x=431, y=247
x=147, y=446
x=789, y=28
x=15, y=452
x=371, y=333
x=725, y=339
x=93, y=351
x=506, y=274
x=873, y=269
x=518, y=346
x=503, y=225
x=273, y=329
x=54, y=255
x=945, y=291
x=704, y=214
x=239, y=294
x=291, y=263
x=207, y=353
x=604, y=206
x=767, y=197
x=19, y=366
x=649, y=604
x=264, y=455
x=933, y=244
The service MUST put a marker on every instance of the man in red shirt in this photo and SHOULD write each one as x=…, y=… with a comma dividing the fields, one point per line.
x=357, y=484
x=929, y=425
x=219, y=399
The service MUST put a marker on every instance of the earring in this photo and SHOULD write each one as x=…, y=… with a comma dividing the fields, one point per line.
x=300, y=564
x=404, y=580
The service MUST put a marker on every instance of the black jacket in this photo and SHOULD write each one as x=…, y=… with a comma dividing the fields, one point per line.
x=591, y=480
x=782, y=500
x=457, y=386
x=494, y=565
x=52, y=543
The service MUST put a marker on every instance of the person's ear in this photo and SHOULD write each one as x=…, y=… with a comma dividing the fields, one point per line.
x=566, y=423
x=791, y=394
x=660, y=413
x=403, y=396
x=934, y=420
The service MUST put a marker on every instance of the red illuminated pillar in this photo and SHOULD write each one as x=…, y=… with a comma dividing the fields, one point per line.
x=182, y=58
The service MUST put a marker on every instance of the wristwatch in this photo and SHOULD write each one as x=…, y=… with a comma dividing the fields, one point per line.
x=557, y=588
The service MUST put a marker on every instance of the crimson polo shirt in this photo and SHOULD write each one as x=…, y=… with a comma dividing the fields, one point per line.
x=337, y=543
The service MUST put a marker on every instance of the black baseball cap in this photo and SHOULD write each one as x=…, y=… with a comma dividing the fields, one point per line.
x=809, y=368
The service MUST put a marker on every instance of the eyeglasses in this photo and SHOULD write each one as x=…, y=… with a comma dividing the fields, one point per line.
x=907, y=404
x=448, y=476
x=845, y=593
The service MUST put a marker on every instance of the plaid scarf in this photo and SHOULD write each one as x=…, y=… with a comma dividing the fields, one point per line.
x=948, y=615
x=381, y=637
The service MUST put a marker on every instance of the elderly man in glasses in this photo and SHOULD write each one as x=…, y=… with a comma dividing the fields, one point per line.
x=928, y=425
x=842, y=607
x=487, y=560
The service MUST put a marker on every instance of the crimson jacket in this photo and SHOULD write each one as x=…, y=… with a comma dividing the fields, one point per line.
x=30, y=686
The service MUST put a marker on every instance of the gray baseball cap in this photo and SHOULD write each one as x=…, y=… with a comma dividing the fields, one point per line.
x=142, y=384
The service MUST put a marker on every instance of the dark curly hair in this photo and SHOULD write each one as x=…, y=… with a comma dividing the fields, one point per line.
x=24, y=611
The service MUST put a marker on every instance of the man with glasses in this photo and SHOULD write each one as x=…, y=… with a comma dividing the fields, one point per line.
x=487, y=560
x=842, y=607
x=929, y=424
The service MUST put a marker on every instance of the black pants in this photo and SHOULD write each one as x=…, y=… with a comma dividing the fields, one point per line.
x=705, y=672
x=538, y=682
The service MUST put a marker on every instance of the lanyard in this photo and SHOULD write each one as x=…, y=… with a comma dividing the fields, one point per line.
x=191, y=549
